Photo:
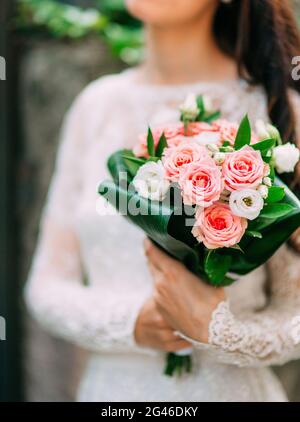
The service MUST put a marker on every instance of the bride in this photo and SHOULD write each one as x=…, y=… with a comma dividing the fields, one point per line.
x=94, y=280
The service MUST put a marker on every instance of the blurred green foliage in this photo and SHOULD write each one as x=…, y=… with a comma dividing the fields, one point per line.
x=108, y=19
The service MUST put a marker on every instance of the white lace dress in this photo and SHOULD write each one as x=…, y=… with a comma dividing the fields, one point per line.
x=89, y=278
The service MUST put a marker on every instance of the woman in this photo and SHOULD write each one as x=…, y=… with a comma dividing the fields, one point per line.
x=131, y=308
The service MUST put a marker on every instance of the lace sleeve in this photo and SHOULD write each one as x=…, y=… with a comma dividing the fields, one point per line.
x=267, y=337
x=89, y=316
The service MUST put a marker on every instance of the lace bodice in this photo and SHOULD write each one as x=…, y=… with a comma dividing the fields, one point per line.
x=89, y=277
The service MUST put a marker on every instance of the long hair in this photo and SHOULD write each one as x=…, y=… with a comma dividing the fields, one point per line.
x=262, y=36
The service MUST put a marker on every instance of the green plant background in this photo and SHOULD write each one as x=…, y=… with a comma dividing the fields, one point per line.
x=107, y=19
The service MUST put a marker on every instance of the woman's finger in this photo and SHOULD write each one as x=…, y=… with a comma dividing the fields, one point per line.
x=177, y=345
x=295, y=240
x=158, y=258
x=156, y=273
x=168, y=335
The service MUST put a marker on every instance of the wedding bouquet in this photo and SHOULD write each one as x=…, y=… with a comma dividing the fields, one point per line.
x=207, y=191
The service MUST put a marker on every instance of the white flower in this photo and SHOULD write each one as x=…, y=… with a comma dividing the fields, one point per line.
x=208, y=138
x=286, y=157
x=219, y=157
x=150, y=181
x=246, y=203
x=189, y=108
x=274, y=133
x=212, y=147
x=266, y=131
x=208, y=107
x=267, y=181
x=263, y=191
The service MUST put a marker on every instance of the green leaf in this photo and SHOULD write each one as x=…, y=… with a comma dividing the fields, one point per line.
x=155, y=159
x=216, y=266
x=259, y=224
x=226, y=149
x=272, y=172
x=276, y=194
x=227, y=281
x=264, y=145
x=243, y=136
x=208, y=118
x=266, y=159
x=237, y=248
x=162, y=144
x=274, y=211
x=133, y=163
x=203, y=115
x=136, y=160
x=252, y=233
x=117, y=164
x=200, y=104
x=150, y=143
x=226, y=144
x=132, y=166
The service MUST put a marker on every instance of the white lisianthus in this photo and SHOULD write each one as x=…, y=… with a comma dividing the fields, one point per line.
x=286, y=157
x=219, y=157
x=208, y=138
x=266, y=131
x=267, y=181
x=212, y=148
x=150, y=181
x=263, y=191
x=246, y=203
x=189, y=109
x=208, y=107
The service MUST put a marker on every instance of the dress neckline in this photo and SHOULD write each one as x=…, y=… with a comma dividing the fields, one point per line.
x=131, y=74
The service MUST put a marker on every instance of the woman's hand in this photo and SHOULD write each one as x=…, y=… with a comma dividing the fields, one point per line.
x=295, y=240
x=153, y=331
x=183, y=300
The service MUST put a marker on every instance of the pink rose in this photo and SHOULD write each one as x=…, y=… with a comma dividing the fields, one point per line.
x=228, y=131
x=170, y=131
x=243, y=169
x=195, y=128
x=201, y=183
x=178, y=140
x=203, y=138
x=217, y=227
x=175, y=134
x=173, y=130
x=176, y=159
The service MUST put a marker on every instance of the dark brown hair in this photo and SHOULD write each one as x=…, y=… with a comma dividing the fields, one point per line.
x=263, y=37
